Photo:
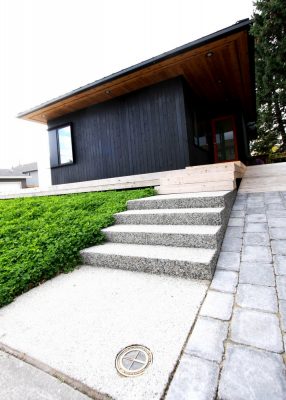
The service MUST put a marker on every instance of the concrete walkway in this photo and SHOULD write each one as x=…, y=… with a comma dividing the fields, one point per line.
x=74, y=325
x=21, y=381
x=236, y=349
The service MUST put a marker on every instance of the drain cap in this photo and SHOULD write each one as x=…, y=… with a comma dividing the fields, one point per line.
x=133, y=360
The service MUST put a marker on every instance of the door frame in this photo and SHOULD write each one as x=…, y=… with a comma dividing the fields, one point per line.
x=213, y=122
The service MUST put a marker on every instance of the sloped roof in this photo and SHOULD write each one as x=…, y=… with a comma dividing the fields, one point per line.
x=217, y=67
x=10, y=174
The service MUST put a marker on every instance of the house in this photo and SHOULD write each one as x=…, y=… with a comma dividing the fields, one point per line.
x=30, y=170
x=193, y=105
x=11, y=181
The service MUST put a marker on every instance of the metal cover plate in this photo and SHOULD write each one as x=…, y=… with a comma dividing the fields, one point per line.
x=133, y=360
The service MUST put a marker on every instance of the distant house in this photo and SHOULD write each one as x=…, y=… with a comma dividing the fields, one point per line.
x=193, y=105
x=30, y=170
x=11, y=181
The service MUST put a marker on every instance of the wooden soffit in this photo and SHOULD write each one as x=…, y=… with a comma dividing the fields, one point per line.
x=217, y=71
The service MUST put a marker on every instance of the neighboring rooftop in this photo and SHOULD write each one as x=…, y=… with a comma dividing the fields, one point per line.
x=10, y=174
x=23, y=168
x=202, y=63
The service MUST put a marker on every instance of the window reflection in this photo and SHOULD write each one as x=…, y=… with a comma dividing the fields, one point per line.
x=65, y=145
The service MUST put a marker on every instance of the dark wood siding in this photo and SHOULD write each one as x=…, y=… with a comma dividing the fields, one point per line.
x=142, y=132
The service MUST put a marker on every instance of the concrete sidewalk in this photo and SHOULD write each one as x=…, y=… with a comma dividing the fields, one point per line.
x=19, y=380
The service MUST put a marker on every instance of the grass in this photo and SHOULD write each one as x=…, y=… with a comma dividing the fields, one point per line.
x=41, y=237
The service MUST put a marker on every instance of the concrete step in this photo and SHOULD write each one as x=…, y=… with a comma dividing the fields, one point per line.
x=183, y=216
x=176, y=261
x=183, y=200
x=198, y=187
x=206, y=236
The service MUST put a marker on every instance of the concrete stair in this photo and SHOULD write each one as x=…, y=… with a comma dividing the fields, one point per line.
x=178, y=235
x=171, y=235
x=221, y=176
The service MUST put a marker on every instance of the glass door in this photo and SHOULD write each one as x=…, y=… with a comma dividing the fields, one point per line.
x=224, y=139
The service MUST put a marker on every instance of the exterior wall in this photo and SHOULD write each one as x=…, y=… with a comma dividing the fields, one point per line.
x=33, y=178
x=141, y=132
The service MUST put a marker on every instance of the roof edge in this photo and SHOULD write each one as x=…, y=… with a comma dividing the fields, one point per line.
x=238, y=26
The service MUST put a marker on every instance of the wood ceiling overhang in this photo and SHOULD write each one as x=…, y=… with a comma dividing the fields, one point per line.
x=218, y=68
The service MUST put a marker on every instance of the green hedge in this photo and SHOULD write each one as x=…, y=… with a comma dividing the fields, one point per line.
x=41, y=237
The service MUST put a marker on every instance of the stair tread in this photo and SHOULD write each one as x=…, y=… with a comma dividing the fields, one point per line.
x=171, y=229
x=173, y=211
x=178, y=196
x=188, y=254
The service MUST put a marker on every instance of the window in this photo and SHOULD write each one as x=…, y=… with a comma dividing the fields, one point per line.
x=202, y=131
x=61, y=152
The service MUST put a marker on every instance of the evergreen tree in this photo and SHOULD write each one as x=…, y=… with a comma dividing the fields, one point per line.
x=269, y=30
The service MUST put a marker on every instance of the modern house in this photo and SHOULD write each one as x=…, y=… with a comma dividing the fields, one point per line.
x=11, y=181
x=193, y=105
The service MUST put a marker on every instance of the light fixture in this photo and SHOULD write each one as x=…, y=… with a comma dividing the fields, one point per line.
x=209, y=54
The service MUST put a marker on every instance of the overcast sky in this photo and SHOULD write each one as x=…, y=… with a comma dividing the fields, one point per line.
x=49, y=47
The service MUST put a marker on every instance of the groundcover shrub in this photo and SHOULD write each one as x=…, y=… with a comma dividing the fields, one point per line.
x=41, y=237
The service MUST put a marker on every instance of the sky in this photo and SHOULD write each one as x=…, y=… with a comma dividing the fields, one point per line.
x=50, y=47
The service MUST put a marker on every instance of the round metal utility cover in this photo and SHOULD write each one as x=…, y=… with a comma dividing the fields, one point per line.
x=133, y=360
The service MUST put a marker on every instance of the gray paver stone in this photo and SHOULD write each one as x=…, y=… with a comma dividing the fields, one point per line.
x=229, y=261
x=259, y=297
x=256, y=328
x=224, y=281
x=275, y=206
x=256, y=253
x=237, y=214
x=187, y=382
x=238, y=206
x=256, y=218
x=234, y=232
x=281, y=286
x=277, y=233
x=236, y=222
x=273, y=199
x=256, y=239
x=280, y=264
x=256, y=273
x=276, y=213
x=255, y=227
x=250, y=374
x=231, y=244
x=279, y=247
x=19, y=380
x=217, y=305
x=282, y=311
x=277, y=222
x=255, y=210
x=207, y=339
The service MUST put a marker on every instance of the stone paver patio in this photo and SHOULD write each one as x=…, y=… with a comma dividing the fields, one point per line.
x=236, y=350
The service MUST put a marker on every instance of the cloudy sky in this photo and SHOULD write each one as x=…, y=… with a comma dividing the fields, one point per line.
x=49, y=47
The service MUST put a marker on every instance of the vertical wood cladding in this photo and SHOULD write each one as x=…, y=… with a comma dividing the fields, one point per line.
x=141, y=132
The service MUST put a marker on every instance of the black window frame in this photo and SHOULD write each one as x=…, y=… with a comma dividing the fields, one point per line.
x=55, y=157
